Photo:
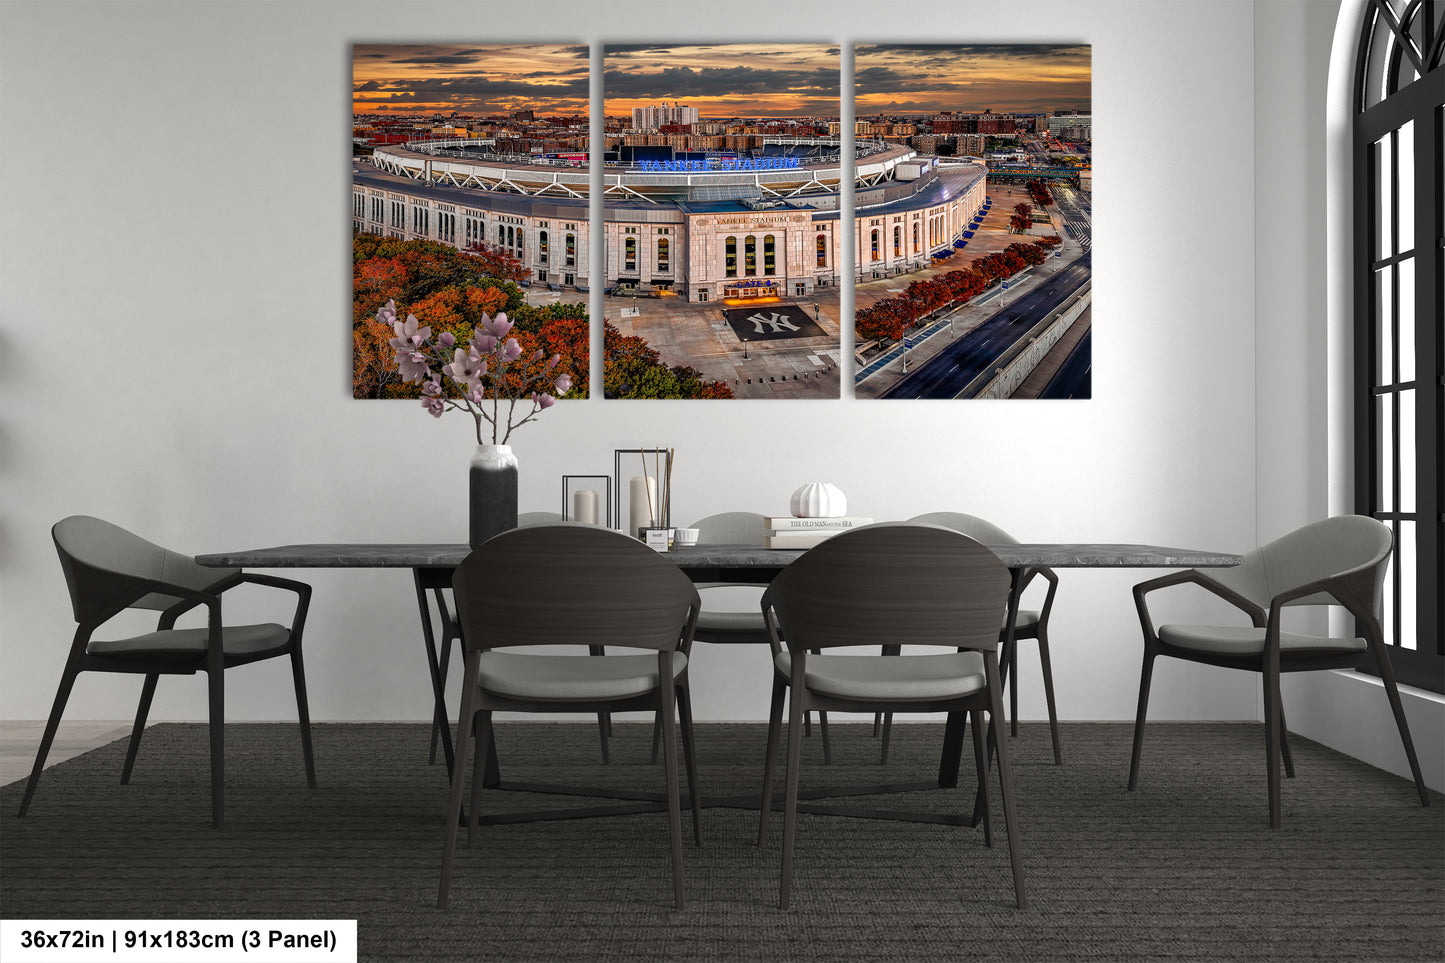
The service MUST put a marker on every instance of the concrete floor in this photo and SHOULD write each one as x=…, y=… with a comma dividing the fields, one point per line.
x=20, y=740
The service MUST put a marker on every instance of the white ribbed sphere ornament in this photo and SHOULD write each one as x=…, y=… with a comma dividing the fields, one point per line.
x=819, y=500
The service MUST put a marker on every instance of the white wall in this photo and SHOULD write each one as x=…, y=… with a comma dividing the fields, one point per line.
x=175, y=352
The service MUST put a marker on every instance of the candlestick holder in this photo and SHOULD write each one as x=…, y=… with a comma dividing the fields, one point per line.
x=573, y=484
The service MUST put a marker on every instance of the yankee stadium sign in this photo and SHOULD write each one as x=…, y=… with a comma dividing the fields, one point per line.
x=720, y=164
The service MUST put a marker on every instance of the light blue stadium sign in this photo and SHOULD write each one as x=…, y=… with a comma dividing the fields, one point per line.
x=720, y=164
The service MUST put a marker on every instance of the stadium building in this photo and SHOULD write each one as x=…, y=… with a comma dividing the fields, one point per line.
x=707, y=226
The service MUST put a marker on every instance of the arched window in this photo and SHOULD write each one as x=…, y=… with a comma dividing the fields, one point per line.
x=822, y=250
x=750, y=255
x=1399, y=100
x=730, y=257
x=769, y=262
x=898, y=240
x=916, y=247
x=542, y=246
x=875, y=245
x=571, y=250
x=629, y=255
x=663, y=266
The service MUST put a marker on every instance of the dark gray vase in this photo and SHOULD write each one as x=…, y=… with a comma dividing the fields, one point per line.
x=492, y=493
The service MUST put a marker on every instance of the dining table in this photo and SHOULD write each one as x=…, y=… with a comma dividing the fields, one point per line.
x=432, y=565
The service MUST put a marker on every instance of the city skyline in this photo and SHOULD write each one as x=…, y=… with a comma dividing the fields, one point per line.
x=924, y=79
x=481, y=79
x=724, y=80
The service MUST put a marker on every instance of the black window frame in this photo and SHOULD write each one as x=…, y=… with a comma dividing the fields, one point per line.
x=1396, y=39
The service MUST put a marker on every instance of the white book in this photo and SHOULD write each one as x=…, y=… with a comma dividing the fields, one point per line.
x=798, y=539
x=787, y=523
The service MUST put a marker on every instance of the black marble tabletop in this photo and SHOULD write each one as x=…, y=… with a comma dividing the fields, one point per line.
x=442, y=555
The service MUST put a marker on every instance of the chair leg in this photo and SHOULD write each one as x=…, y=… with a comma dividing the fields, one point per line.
x=1271, y=739
x=689, y=758
x=1006, y=788
x=1145, y=676
x=1392, y=692
x=1284, y=743
x=656, y=735
x=482, y=723
x=216, y=683
x=770, y=759
x=147, y=692
x=57, y=709
x=303, y=714
x=823, y=731
x=1048, y=670
x=1013, y=689
x=980, y=756
x=604, y=719
x=790, y=794
x=885, y=717
x=668, y=705
x=459, y=775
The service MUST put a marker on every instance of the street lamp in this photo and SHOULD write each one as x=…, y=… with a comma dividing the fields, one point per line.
x=745, y=349
x=815, y=310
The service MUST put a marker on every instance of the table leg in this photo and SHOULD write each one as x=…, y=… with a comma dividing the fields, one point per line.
x=434, y=664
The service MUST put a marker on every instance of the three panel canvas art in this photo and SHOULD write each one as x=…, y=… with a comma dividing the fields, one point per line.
x=725, y=173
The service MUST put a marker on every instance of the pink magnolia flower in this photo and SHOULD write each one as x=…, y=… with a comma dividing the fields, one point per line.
x=511, y=351
x=484, y=343
x=543, y=400
x=433, y=405
x=563, y=384
x=446, y=340
x=466, y=369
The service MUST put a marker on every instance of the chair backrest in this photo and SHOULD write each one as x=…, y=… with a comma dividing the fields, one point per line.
x=892, y=584
x=978, y=529
x=1318, y=550
x=572, y=585
x=731, y=528
x=101, y=560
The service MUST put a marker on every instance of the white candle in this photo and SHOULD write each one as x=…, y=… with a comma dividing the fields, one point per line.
x=643, y=503
x=584, y=506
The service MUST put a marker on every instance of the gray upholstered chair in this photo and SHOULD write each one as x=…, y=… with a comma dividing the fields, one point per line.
x=1341, y=561
x=1030, y=624
x=921, y=585
x=573, y=585
x=109, y=570
x=730, y=627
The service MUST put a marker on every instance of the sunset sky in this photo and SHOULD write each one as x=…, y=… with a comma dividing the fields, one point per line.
x=724, y=80
x=478, y=79
x=926, y=78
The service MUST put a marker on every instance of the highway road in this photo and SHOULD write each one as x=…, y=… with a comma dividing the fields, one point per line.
x=1074, y=379
x=946, y=374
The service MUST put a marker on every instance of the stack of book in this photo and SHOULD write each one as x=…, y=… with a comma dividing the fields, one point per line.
x=790, y=532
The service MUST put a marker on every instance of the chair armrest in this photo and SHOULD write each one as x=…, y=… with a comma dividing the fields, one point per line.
x=1339, y=587
x=1053, y=580
x=303, y=597
x=1196, y=577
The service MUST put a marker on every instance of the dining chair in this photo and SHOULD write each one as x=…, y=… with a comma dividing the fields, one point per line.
x=1337, y=561
x=109, y=570
x=921, y=585
x=577, y=586
x=1029, y=624
x=451, y=636
x=734, y=626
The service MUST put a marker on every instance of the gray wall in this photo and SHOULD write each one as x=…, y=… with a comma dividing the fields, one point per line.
x=175, y=313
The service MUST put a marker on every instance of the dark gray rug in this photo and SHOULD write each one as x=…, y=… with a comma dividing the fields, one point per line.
x=1185, y=869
